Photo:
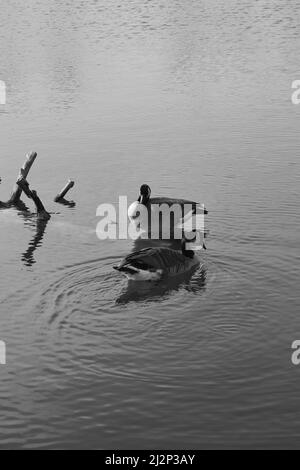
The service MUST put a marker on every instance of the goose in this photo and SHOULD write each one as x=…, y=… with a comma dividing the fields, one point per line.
x=144, y=218
x=146, y=199
x=152, y=264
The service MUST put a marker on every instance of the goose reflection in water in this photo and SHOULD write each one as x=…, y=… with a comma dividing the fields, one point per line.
x=193, y=281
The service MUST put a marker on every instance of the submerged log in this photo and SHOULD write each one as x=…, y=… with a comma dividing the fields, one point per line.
x=61, y=196
x=42, y=214
x=17, y=191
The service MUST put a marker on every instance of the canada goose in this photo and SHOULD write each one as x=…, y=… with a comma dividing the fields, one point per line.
x=192, y=281
x=151, y=264
x=150, y=220
x=146, y=199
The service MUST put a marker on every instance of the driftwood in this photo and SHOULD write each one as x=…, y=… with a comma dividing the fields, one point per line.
x=15, y=198
x=22, y=185
x=17, y=191
x=42, y=214
x=61, y=196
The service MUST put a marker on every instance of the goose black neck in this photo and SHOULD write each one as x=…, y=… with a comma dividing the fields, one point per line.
x=145, y=193
x=144, y=199
x=188, y=253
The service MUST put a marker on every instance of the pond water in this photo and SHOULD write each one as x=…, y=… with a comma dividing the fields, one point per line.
x=193, y=98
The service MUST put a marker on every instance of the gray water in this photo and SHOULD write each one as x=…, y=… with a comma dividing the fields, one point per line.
x=194, y=98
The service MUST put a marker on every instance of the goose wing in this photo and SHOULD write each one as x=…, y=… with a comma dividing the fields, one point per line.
x=154, y=259
x=171, y=201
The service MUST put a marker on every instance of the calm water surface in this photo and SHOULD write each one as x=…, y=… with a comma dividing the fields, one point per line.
x=194, y=98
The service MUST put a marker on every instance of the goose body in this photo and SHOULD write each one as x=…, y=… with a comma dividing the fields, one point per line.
x=146, y=210
x=151, y=264
x=146, y=199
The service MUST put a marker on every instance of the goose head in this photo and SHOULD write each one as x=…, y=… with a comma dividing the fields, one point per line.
x=145, y=194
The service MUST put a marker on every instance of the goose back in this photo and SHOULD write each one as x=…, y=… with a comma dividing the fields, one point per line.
x=159, y=259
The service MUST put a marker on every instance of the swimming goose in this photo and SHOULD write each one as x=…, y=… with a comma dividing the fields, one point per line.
x=145, y=213
x=146, y=199
x=152, y=264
